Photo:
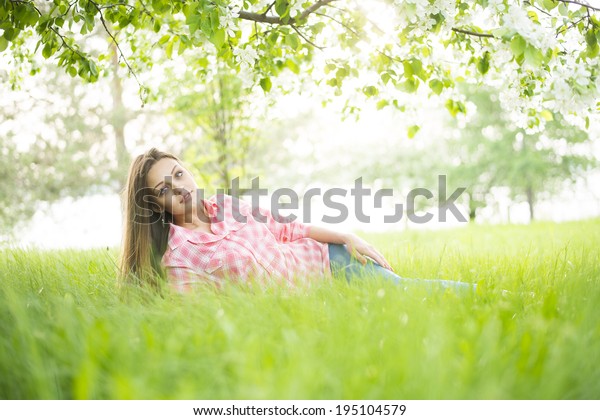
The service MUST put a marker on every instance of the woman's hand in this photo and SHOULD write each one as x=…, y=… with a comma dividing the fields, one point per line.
x=361, y=249
x=358, y=248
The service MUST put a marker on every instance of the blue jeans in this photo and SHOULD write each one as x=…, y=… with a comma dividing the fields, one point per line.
x=341, y=261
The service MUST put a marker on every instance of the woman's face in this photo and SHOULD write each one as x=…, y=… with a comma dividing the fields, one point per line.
x=173, y=187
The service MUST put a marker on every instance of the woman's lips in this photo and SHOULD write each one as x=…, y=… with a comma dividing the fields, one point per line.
x=186, y=197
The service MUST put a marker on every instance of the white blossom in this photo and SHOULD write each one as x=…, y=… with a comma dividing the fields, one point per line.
x=497, y=5
x=246, y=56
x=572, y=88
x=518, y=21
x=262, y=4
x=296, y=9
x=229, y=23
x=229, y=17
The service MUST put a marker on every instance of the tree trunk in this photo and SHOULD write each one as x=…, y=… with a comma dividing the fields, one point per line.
x=472, y=208
x=222, y=135
x=118, y=121
x=530, y=201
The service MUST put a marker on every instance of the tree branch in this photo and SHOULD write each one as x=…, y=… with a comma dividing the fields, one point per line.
x=256, y=17
x=306, y=39
x=64, y=43
x=276, y=20
x=314, y=8
x=539, y=9
x=478, y=34
x=578, y=3
x=356, y=34
x=269, y=8
x=51, y=28
x=565, y=28
x=116, y=43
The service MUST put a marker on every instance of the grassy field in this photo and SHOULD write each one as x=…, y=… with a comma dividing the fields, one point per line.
x=532, y=331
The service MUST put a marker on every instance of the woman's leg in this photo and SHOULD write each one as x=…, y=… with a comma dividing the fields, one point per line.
x=342, y=262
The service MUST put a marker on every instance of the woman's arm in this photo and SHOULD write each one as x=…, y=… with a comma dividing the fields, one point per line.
x=357, y=246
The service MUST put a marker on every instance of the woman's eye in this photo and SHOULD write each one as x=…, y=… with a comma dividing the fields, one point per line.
x=164, y=189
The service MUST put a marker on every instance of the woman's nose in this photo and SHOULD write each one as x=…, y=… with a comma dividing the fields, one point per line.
x=179, y=191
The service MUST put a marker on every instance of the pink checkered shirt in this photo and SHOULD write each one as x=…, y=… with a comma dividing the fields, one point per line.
x=238, y=250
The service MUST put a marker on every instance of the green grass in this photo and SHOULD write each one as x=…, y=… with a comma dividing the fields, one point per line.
x=67, y=332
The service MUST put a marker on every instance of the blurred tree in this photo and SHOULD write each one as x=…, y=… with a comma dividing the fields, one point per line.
x=68, y=151
x=217, y=120
x=490, y=151
x=118, y=119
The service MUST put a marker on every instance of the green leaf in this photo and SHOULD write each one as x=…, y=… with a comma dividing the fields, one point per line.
x=330, y=67
x=182, y=46
x=72, y=71
x=218, y=38
x=292, y=41
x=547, y=115
x=203, y=62
x=164, y=39
x=47, y=51
x=341, y=74
x=413, y=130
x=291, y=64
x=590, y=39
x=533, y=16
x=436, y=86
x=382, y=104
x=563, y=9
x=417, y=68
x=370, y=91
x=408, y=69
x=193, y=20
x=318, y=27
x=454, y=107
x=10, y=33
x=483, y=64
x=273, y=37
x=282, y=7
x=3, y=44
x=93, y=69
x=26, y=15
x=266, y=84
x=84, y=67
x=410, y=86
x=169, y=49
x=533, y=56
x=550, y=4
x=161, y=6
x=517, y=45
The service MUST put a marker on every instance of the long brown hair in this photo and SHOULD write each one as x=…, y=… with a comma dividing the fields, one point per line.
x=145, y=234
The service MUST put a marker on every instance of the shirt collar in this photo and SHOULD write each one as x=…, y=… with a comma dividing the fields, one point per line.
x=179, y=235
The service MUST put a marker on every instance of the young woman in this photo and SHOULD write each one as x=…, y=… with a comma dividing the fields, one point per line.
x=172, y=232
